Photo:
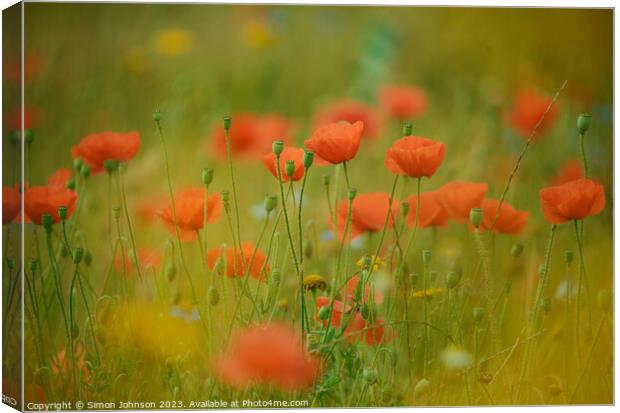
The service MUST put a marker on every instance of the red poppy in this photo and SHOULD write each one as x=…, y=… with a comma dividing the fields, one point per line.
x=528, y=108
x=190, y=210
x=350, y=111
x=368, y=213
x=415, y=156
x=40, y=200
x=569, y=171
x=149, y=259
x=459, y=197
x=60, y=365
x=59, y=178
x=268, y=355
x=97, y=148
x=235, y=263
x=509, y=220
x=336, y=142
x=372, y=335
x=432, y=213
x=402, y=102
x=348, y=292
x=11, y=204
x=251, y=135
x=14, y=118
x=288, y=154
x=573, y=200
x=338, y=310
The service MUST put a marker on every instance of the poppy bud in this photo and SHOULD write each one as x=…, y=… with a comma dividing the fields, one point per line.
x=452, y=279
x=275, y=276
x=78, y=254
x=88, y=258
x=357, y=294
x=207, y=176
x=28, y=136
x=70, y=184
x=475, y=217
x=307, y=249
x=365, y=311
x=225, y=196
x=270, y=203
x=85, y=171
x=546, y=304
x=77, y=164
x=324, y=313
x=110, y=165
x=214, y=295
x=516, y=250
x=583, y=122
x=405, y=208
x=227, y=122
x=604, y=299
x=370, y=375
x=171, y=271
x=14, y=137
x=421, y=388
x=326, y=179
x=478, y=313
x=156, y=115
x=277, y=147
x=62, y=212
x=568, y=257
x=46, y=220
x=352, y=194
x=289, y=168
x=34, y=263
x=426, y=257
x=308, y=159
x=116, y=212
x=407, y=129
x=414, y=279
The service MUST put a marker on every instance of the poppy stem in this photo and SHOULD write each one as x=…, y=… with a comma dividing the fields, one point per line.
x=522, y=154
x=234, y=191
x=584, y=157
x=121, y=188
x=57, y=283
x=588, y=359
x=583, y=279
x=204, y=226
x=302, y=300
x=415, y=225
x=387, y=218
x=488, y=292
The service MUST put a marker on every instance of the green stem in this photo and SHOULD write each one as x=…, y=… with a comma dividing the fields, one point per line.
x=387, y=218
x=121, y=187
x=234, y=190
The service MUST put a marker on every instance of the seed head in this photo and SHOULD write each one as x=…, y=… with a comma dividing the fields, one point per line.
x=46, y=220
x=426, y=257
x=77, y=164
x=156, y=115
x=405, y=208
x=475, y=217
x=308, y=159
x=28, y=136
x=324, y=313
x=85, y=170
x=452, y=279
x=70, y=184
x=62, y=212
x=352, y=194
x=207, y=176
x=78, y=254
x=583, y=122
x=516, y=250
x=227, y=122
x=568, y=257
x=289, y=168
x=370, y=375
x=277, y=147
x=314, y=282
x=110, y=165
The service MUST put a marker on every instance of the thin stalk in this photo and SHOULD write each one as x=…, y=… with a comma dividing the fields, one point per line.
x=302, y=299
x=234, y=190
x=387, y=218
x=121, y=187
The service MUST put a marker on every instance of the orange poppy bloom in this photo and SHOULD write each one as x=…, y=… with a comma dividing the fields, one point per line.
x=61, y=366
x=572, y=200
x=288, y=154
x=190, y=210
x=11, y=204
x=372, y=335
x=234, y=262
x=432, y=213
x=402, y=102
x=338, y=309
x=149, y=258
x=368, y=213
x=528, y=108
x=509, y=220
x=459, y=197
x=350, y=111
x=415, y=156
x=59, y=178
x=269, y=354
x=348, y=292
x=251, y=135
x=40, y=200
x=570, y=171
x=97, y=148
x=336, y=142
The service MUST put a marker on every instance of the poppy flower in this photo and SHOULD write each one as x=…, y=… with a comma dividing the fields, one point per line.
x=338, y=310
x=336, y=142
x=11, y=204
x=40, y=200
x=268, y=355
x=61, y=366
x=573, y=200
x=367, y=214
x=432, y=213
x=235, y=263
x=348, y=292
x=288, y=154
x=402, y=102
x=372, y=335
x=350, y=111
x=415, y=156
x=190, y=209
x=251, y=135
x=59, y=178
x=149, y=258
x=527, y=110
x=570, y=171
x=509, y=220
x=14, y=118
x=97, y=148
x=459, y=197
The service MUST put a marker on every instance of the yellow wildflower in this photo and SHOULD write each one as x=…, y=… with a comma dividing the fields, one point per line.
x=173, y=42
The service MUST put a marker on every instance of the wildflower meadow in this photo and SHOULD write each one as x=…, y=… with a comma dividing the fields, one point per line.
x=306, y=206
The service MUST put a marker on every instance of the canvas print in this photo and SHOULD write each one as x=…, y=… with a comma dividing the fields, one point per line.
x=303, y=206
